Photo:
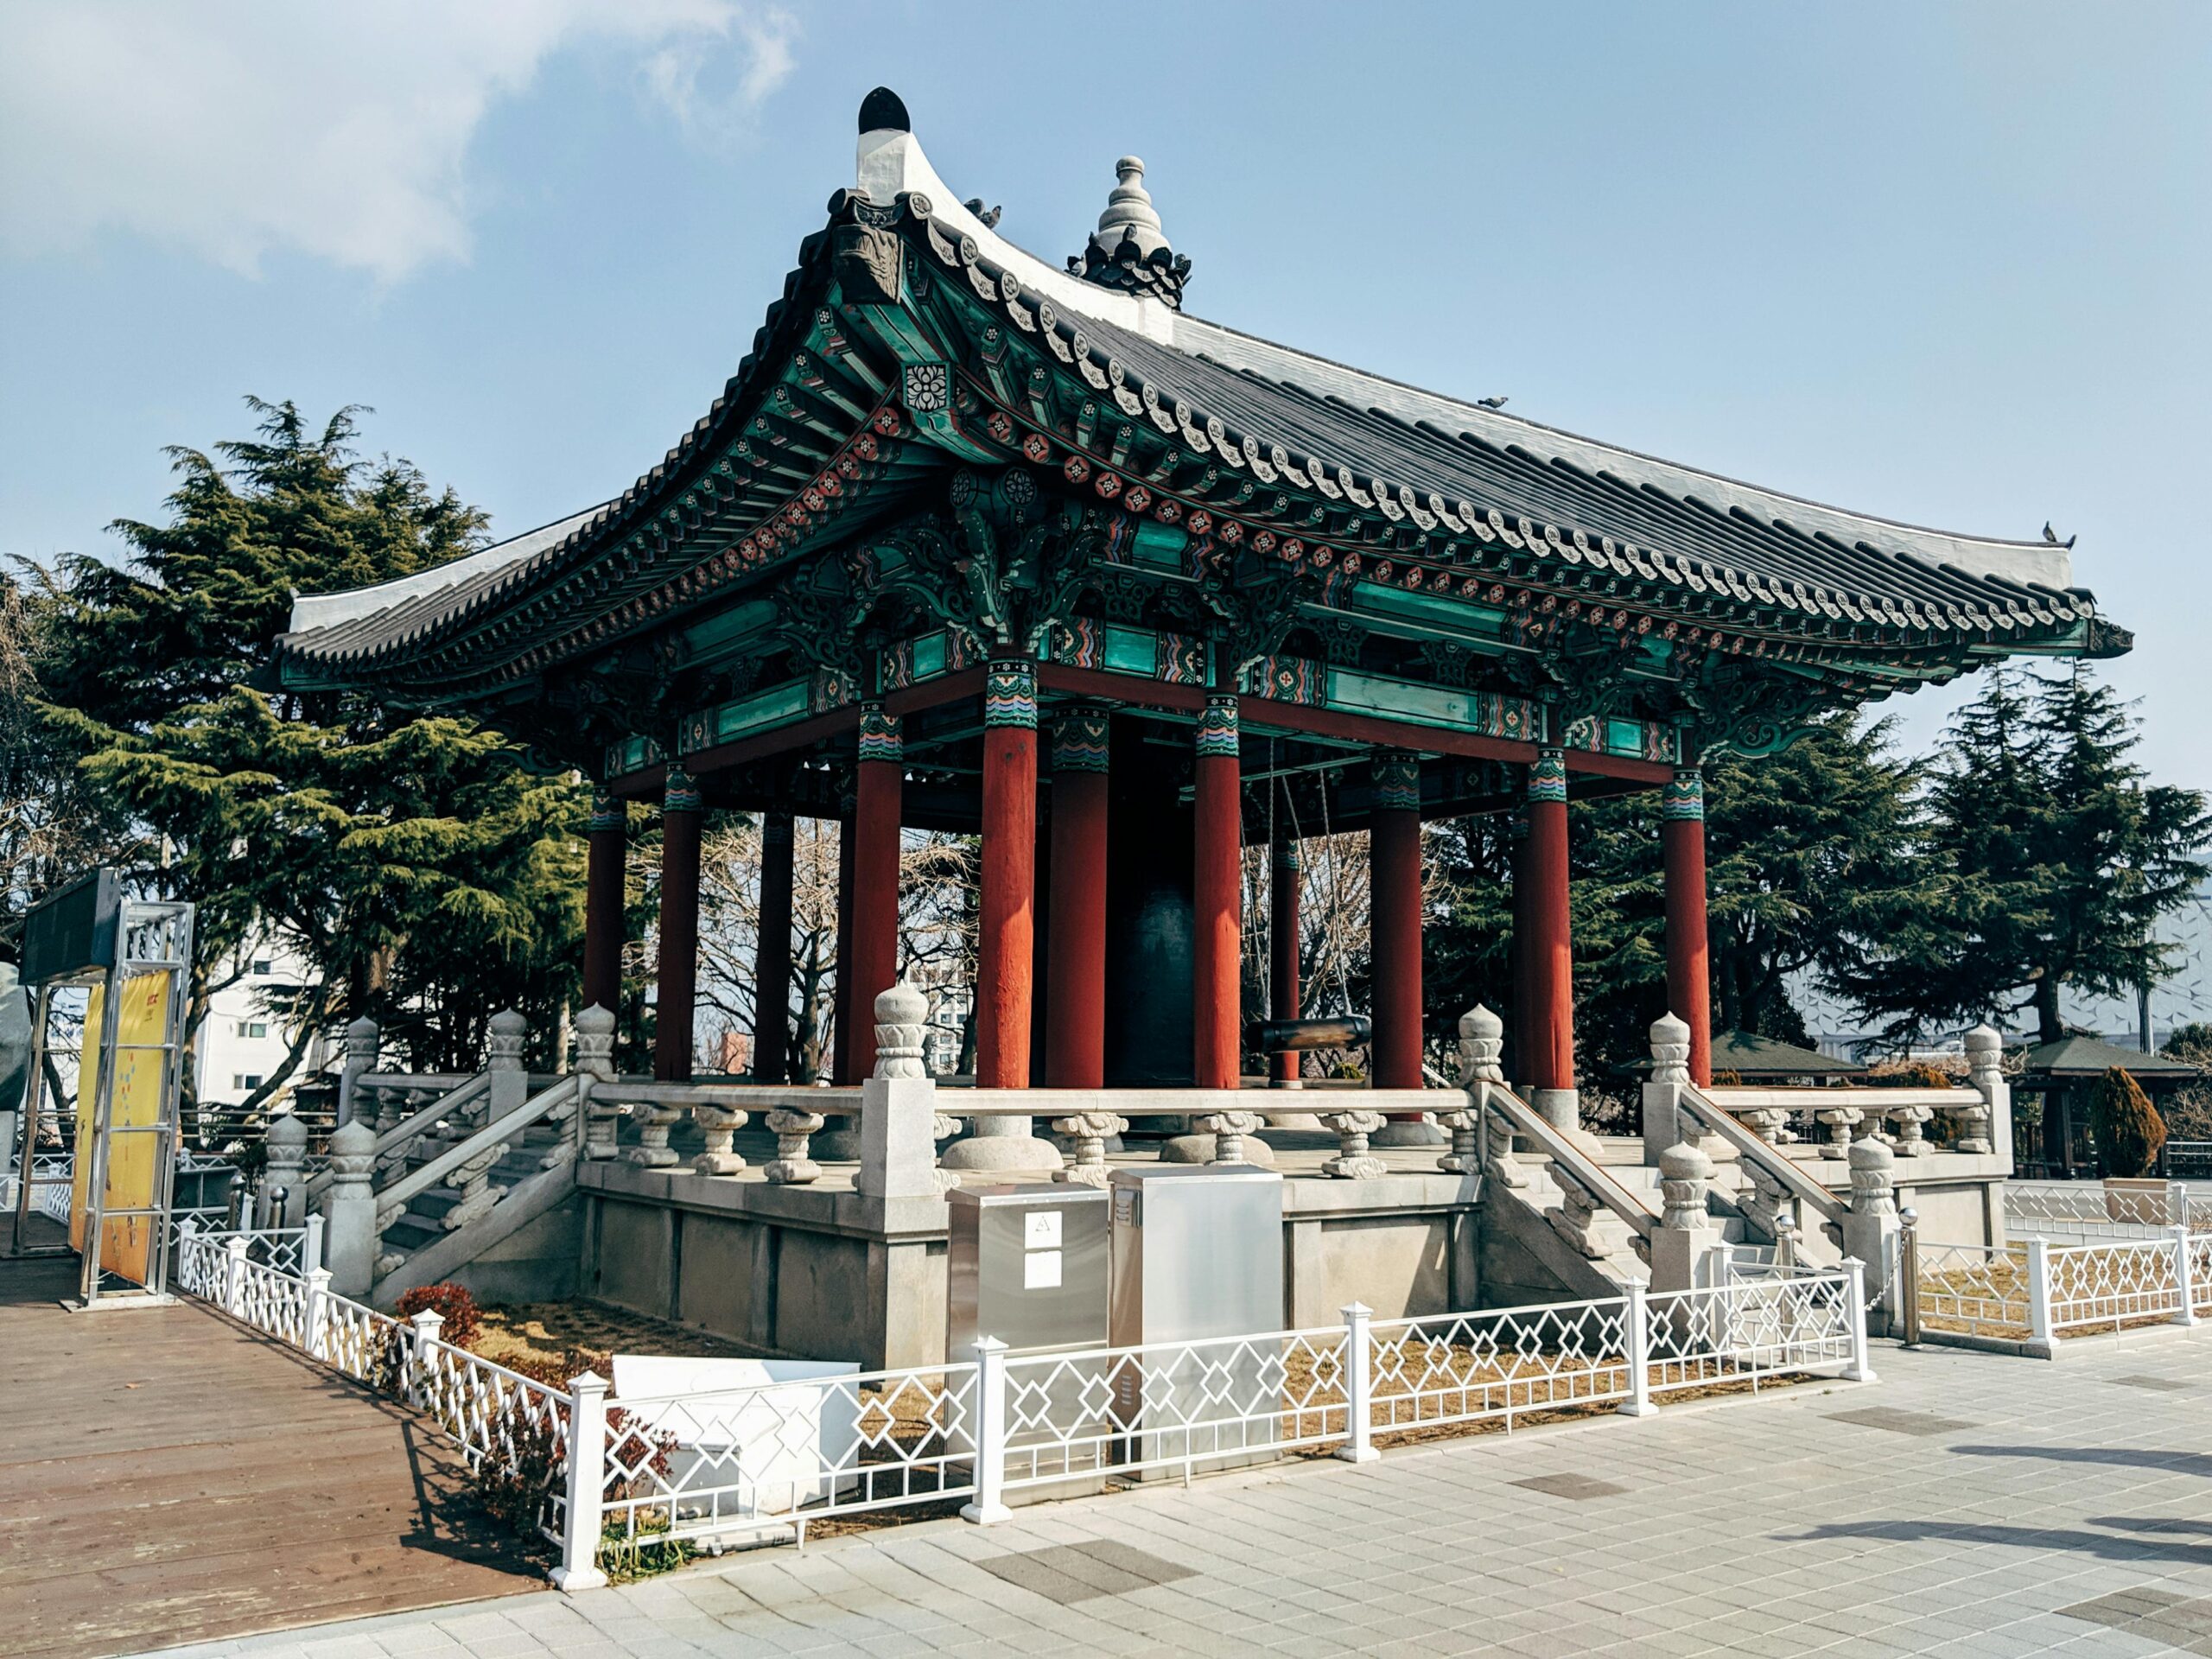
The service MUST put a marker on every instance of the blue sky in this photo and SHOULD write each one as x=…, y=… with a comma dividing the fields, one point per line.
x=1941, y=262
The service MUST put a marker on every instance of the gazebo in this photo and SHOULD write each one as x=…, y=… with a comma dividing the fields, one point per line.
x=976, y=542
x=2063, y=1073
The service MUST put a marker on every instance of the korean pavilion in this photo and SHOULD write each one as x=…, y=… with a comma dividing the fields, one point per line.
x=974, y=542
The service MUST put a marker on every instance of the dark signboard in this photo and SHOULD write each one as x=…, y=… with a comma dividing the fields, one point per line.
x=74, y=930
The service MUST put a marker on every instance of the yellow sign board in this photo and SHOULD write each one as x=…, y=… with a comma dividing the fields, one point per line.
x=133, y=1160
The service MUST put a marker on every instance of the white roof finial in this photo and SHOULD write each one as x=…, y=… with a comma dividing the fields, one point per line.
x=1130, y=249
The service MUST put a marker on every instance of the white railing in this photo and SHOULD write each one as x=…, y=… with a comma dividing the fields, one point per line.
x=739, y=1460
x=2036, y=1291
x=772, y=1458
x=2091, y=1210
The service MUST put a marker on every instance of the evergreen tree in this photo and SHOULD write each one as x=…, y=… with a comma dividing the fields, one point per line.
x=2058, y=859
x=423, y=875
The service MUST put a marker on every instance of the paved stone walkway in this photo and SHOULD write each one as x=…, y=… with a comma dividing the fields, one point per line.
x=1966, y=1505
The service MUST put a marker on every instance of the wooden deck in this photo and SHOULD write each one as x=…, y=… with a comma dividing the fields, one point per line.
x=167, y=1477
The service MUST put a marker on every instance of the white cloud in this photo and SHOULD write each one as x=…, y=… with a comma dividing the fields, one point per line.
x=234, y=128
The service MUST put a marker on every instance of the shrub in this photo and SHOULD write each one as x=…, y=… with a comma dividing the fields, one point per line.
x=2129, y=1134
x=1910, y=1074
x=451, y=1303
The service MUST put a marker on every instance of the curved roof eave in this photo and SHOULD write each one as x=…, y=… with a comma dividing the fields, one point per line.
x=891, y=162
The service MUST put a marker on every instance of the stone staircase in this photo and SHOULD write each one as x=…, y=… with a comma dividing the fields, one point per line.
x=427, y=1217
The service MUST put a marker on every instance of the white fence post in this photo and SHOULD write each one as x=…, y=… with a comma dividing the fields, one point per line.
x=1359, y=1387
x=311, y=1244
x=578, y=1568
x=234, y=1279
x=318, y=1299
x=1861, y=1369
x=989, y=1505
x=426, y=1325
x=2039, y=1332
x=1635, y=1320
x=2186, y=1313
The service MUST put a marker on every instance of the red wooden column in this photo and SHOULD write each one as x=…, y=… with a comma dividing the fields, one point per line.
x=1551, y=951
x=1284, y=882
x=1689, y=977
x=607, y=841
x=841, y=1035
x=681, y=813
x=772, y=961
x=1075, y=977
x=1218, y=897
x=1006, y=926
x=1524, y=1047
x=1393, y=852
x=879, y=783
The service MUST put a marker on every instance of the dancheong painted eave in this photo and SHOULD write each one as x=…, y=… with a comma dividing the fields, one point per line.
x=1102, y=385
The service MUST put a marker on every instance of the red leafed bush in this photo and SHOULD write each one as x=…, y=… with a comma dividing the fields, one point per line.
x=451, y=1303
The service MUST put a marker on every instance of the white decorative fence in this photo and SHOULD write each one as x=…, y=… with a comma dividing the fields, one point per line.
x=2031, y=1294
x=593, y=1473
x=775, y=1457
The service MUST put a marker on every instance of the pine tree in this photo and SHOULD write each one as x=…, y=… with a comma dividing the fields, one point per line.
x=2057, y=857
x=423, y=875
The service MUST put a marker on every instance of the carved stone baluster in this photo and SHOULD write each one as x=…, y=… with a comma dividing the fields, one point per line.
x=793, y=1130
x=1910, y=1141
x=1353, y=1162
x=1763, y=1200
x=1482, y=1040
x=1839, y=1121
x=1770, y=1124
x=719, y=1123
x=652, y=1150
x=1229, y=1130
x=1090, y=1132
x=1576, y=1219
x=473, y=1181
x=596, y=1068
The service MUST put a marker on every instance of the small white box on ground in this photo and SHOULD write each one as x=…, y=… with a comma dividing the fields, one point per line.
x=750, y=1439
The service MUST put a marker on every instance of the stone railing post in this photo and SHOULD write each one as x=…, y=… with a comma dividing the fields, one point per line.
x=1685, y=1238
x=1991, y=1130
x=899, y=1117
x=509, y=1081
x=361, y=1039
x=286, y=1173
x=1482, y=1034
x=1662, y=1095
x=1837, y=1120
x=1352, y=1160
x=719, y=1124
x=1870, y=1230
x=349, y=1231
x=1482, y=1040
x=596, y=1121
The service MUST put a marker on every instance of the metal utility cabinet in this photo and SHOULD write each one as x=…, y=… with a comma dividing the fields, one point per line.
x=1198, y=1253
x=1027, y=1265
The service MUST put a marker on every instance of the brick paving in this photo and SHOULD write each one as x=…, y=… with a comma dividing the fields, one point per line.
x=1966, y=1505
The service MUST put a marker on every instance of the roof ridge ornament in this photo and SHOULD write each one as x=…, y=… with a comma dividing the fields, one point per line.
x=1129, y=250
